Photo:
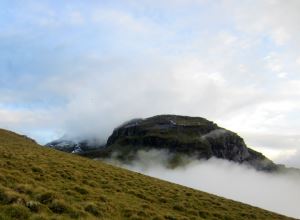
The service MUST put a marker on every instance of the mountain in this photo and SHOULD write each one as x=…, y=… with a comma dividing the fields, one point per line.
x=180, y=136
x=70, y=145
x=42, y=183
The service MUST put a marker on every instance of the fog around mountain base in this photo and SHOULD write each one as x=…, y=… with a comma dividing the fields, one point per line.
x=279, y=193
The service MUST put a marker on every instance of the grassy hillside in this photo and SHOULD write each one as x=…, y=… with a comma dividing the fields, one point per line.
x=41, y=183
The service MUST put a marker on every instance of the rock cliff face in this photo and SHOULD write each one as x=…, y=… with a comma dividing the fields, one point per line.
x=191, y=136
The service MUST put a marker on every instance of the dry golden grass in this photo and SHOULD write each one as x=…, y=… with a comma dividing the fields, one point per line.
x=41, y=183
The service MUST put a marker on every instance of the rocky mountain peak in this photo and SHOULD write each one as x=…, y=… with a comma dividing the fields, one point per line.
x=194, y=137
x=191, y=136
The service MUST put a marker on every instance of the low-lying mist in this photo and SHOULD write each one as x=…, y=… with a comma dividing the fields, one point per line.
x=276, y=192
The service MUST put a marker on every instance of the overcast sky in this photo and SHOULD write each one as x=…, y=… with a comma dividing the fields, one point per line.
x=83, y=67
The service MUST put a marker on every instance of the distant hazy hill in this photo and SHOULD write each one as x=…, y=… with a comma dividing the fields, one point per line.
x=42, y=183
x=70, y=145
x=180, y=135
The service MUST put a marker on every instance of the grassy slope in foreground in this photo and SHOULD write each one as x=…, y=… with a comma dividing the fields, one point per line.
x=42, y=183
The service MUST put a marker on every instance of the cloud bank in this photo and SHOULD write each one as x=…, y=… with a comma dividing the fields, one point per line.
x=275, y=192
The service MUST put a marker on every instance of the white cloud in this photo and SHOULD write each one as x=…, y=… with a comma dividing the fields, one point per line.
x=226, y=179
x=281, y=36
x=298, y=60
x=274, y=62
x=276, y=18
x=292, y=160
x=272, y=140
x=215, y=60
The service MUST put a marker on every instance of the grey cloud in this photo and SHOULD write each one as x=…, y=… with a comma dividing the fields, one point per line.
x=280, y=141
x=292, y=160
x=275, y=18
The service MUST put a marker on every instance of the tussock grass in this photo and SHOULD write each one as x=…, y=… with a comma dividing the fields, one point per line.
x=40, y=183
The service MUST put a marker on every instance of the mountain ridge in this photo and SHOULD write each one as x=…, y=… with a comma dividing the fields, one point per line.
x=182, y=135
